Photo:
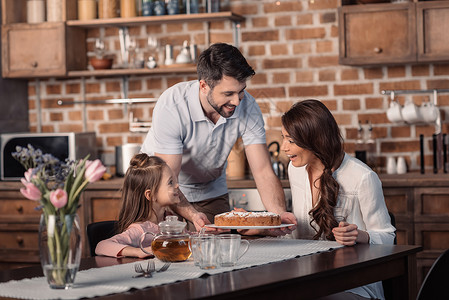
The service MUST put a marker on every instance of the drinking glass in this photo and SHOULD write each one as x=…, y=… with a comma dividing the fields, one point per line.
x=341, y=214
x=193, y=245
x=230, y=249
x=207, y=249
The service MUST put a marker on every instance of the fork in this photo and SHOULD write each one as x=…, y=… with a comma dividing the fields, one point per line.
x=145, y=273
x=164, y=267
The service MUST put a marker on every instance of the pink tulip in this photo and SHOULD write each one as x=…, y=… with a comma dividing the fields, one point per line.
x=28, y=174
x=30, y=191
x=58, y=198
x=94, y=170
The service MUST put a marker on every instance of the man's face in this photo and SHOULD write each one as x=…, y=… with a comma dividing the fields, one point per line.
x=226, y=96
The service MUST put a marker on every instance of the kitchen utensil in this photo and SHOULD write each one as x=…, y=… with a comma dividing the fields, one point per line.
x=164, y=267
x=421, y=152
x=147, y=273
x=208, y=252
x=401, y=167
x=184, y=56
x=429, y=112
x=159, y=7
x=229, y=249
x=192, y=7
x=147, y=7
x=87, y=9
x=108, y=9
x=172, y=7
x=35, y=11
x=54, y=11
x=171, y=244
x=101, y=63
x=168, y=55
x=444, y=153
x=277, y=165
x=123, y=155
x=236, y=161
x=128, y=8
x=411, y=113
x=434, y=149
x=193, y=245
x=391, y=165
x=340, y=214
x=394, y=112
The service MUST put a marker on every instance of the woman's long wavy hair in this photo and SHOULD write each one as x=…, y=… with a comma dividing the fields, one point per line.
x=311, y=126
x=144, y=173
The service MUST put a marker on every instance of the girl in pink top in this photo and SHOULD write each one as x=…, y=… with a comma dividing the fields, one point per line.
x=148, y=189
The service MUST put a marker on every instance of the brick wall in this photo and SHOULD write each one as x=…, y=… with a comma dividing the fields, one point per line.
x=293, y=46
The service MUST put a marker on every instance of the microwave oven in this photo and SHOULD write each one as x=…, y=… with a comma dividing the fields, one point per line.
x=70, y=145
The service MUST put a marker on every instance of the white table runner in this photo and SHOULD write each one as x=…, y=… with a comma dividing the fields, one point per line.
x=118, y=278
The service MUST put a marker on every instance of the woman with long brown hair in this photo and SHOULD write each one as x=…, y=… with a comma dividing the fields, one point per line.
x=335, y=196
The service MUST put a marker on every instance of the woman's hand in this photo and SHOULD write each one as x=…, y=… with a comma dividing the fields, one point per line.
x=348, y=234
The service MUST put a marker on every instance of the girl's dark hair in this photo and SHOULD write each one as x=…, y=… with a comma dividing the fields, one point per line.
x=222, y=60
x=311, y=126
x=144, y=173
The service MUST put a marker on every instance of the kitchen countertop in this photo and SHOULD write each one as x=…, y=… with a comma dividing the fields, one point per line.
x=403, y=180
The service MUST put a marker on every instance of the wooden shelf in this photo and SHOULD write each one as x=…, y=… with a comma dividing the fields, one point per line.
x=125, y=72
x=151, y=20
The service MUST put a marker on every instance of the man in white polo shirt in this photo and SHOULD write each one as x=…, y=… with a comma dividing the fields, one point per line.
x=195, y=125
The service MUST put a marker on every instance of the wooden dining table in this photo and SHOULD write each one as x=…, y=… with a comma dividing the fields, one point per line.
x=305, y=277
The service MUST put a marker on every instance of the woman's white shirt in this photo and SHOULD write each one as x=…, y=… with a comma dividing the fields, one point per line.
x=361, y=196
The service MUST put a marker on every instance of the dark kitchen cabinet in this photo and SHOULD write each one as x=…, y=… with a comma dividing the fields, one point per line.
x=394, y=33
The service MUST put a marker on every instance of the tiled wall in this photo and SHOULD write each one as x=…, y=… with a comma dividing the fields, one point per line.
x=293, y=46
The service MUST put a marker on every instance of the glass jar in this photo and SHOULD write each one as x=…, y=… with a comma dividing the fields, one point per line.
x=172, y=243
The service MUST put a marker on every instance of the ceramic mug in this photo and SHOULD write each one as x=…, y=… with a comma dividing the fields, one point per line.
x=394, y=112
x=429, y=112
x=411, y=113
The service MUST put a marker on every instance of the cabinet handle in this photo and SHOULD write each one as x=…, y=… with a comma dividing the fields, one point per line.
x=19, y=240
x=34, y=64
x=377, y=50
x=20, y=209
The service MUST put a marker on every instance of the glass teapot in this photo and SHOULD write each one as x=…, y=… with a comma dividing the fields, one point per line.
x=171, y=243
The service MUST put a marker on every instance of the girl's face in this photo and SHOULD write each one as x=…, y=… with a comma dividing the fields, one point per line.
x=167, y=193
x=298, y=156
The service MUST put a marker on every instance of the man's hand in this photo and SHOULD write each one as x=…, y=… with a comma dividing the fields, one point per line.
x=199, y=220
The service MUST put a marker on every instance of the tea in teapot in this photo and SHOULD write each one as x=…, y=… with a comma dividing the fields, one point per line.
x=172, y=243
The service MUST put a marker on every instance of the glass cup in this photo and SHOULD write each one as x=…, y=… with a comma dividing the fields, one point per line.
x=193, y=245
x=341, y=214
x=229, y=249
x=207, y=251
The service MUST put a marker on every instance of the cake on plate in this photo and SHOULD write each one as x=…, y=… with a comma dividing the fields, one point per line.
x=246, y=218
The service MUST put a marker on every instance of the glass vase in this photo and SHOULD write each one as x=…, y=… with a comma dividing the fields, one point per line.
x=60, y=249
